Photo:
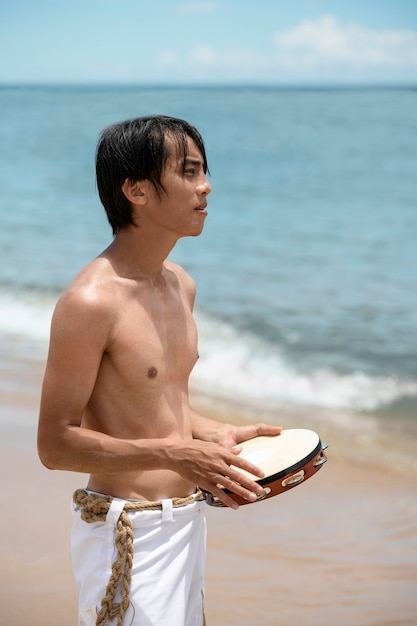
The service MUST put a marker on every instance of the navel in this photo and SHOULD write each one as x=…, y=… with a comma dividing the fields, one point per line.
x=152, y=372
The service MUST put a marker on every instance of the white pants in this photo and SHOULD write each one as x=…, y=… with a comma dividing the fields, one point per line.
x=167, y=587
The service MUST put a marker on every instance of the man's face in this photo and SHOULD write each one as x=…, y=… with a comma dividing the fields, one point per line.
x=181, y=208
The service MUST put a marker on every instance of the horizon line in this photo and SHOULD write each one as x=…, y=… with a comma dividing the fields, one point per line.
x=218, y=85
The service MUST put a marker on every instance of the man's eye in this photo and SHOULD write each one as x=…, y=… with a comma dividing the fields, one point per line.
x=189, y=170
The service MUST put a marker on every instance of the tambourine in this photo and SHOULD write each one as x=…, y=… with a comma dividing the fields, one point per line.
x=287, y=460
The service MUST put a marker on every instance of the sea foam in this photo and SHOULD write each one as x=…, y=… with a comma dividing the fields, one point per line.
x=232, y=364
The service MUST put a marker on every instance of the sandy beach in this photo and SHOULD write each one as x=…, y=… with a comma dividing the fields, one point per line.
x=340, y=549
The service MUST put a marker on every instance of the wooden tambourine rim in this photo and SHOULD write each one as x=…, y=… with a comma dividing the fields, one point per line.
x=288, y=470
x=303, y=464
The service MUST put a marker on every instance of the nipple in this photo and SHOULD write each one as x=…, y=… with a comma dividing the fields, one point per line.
x=152, y=372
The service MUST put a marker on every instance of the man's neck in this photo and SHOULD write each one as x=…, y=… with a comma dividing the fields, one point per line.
x=139, y=256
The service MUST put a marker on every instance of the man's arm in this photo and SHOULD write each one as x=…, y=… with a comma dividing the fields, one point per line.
x=227, y=434
x=80, y=334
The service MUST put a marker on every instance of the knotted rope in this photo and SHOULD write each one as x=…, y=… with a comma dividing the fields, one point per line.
x=94, y=508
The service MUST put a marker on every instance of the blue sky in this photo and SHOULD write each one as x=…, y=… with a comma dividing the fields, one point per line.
x=208, y=41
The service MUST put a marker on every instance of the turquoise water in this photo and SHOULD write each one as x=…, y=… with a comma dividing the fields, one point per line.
x=307, y=267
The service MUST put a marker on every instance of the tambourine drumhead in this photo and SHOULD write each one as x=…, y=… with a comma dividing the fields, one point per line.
x=283, y=452
x=286, y=459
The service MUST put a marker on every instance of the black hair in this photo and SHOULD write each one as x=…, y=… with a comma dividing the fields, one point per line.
x=137, y=150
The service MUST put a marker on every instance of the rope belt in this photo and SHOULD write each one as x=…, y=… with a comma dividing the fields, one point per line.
x=94, y=508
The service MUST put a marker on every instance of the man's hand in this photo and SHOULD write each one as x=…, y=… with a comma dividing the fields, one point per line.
x=214, y=466
x=228, y=435
x=233, y=435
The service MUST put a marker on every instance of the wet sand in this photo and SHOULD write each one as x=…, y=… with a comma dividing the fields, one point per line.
x=339, y=549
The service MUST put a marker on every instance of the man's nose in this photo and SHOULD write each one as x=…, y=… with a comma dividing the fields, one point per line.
x=204, y=186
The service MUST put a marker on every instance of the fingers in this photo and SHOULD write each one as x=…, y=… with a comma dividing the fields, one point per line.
x=245, y=465
x=240, y=477
x=268, y=430
x=239, y=483
x=243, y=433
x=215, y=467
x=232, y=486
x=219, y=494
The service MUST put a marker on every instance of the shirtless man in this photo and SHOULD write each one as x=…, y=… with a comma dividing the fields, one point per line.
x=115, y=393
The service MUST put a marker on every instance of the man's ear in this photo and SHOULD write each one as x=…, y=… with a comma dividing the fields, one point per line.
x=136, y=192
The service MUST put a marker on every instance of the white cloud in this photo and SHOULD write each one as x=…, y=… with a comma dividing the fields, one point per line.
x=206, y=55
x=321, y=50
x=326, y=42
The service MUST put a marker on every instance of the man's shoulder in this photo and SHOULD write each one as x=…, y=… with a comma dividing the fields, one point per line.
x=92, y=289
x=181, y=275
x=178, y=270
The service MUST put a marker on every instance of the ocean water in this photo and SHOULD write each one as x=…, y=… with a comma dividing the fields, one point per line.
x=307, y=267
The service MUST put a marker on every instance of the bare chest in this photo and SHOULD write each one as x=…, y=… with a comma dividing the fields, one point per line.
x=154, y=340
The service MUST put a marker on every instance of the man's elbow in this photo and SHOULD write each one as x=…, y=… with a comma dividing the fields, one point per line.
x=48, y=457
x=49, y=452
